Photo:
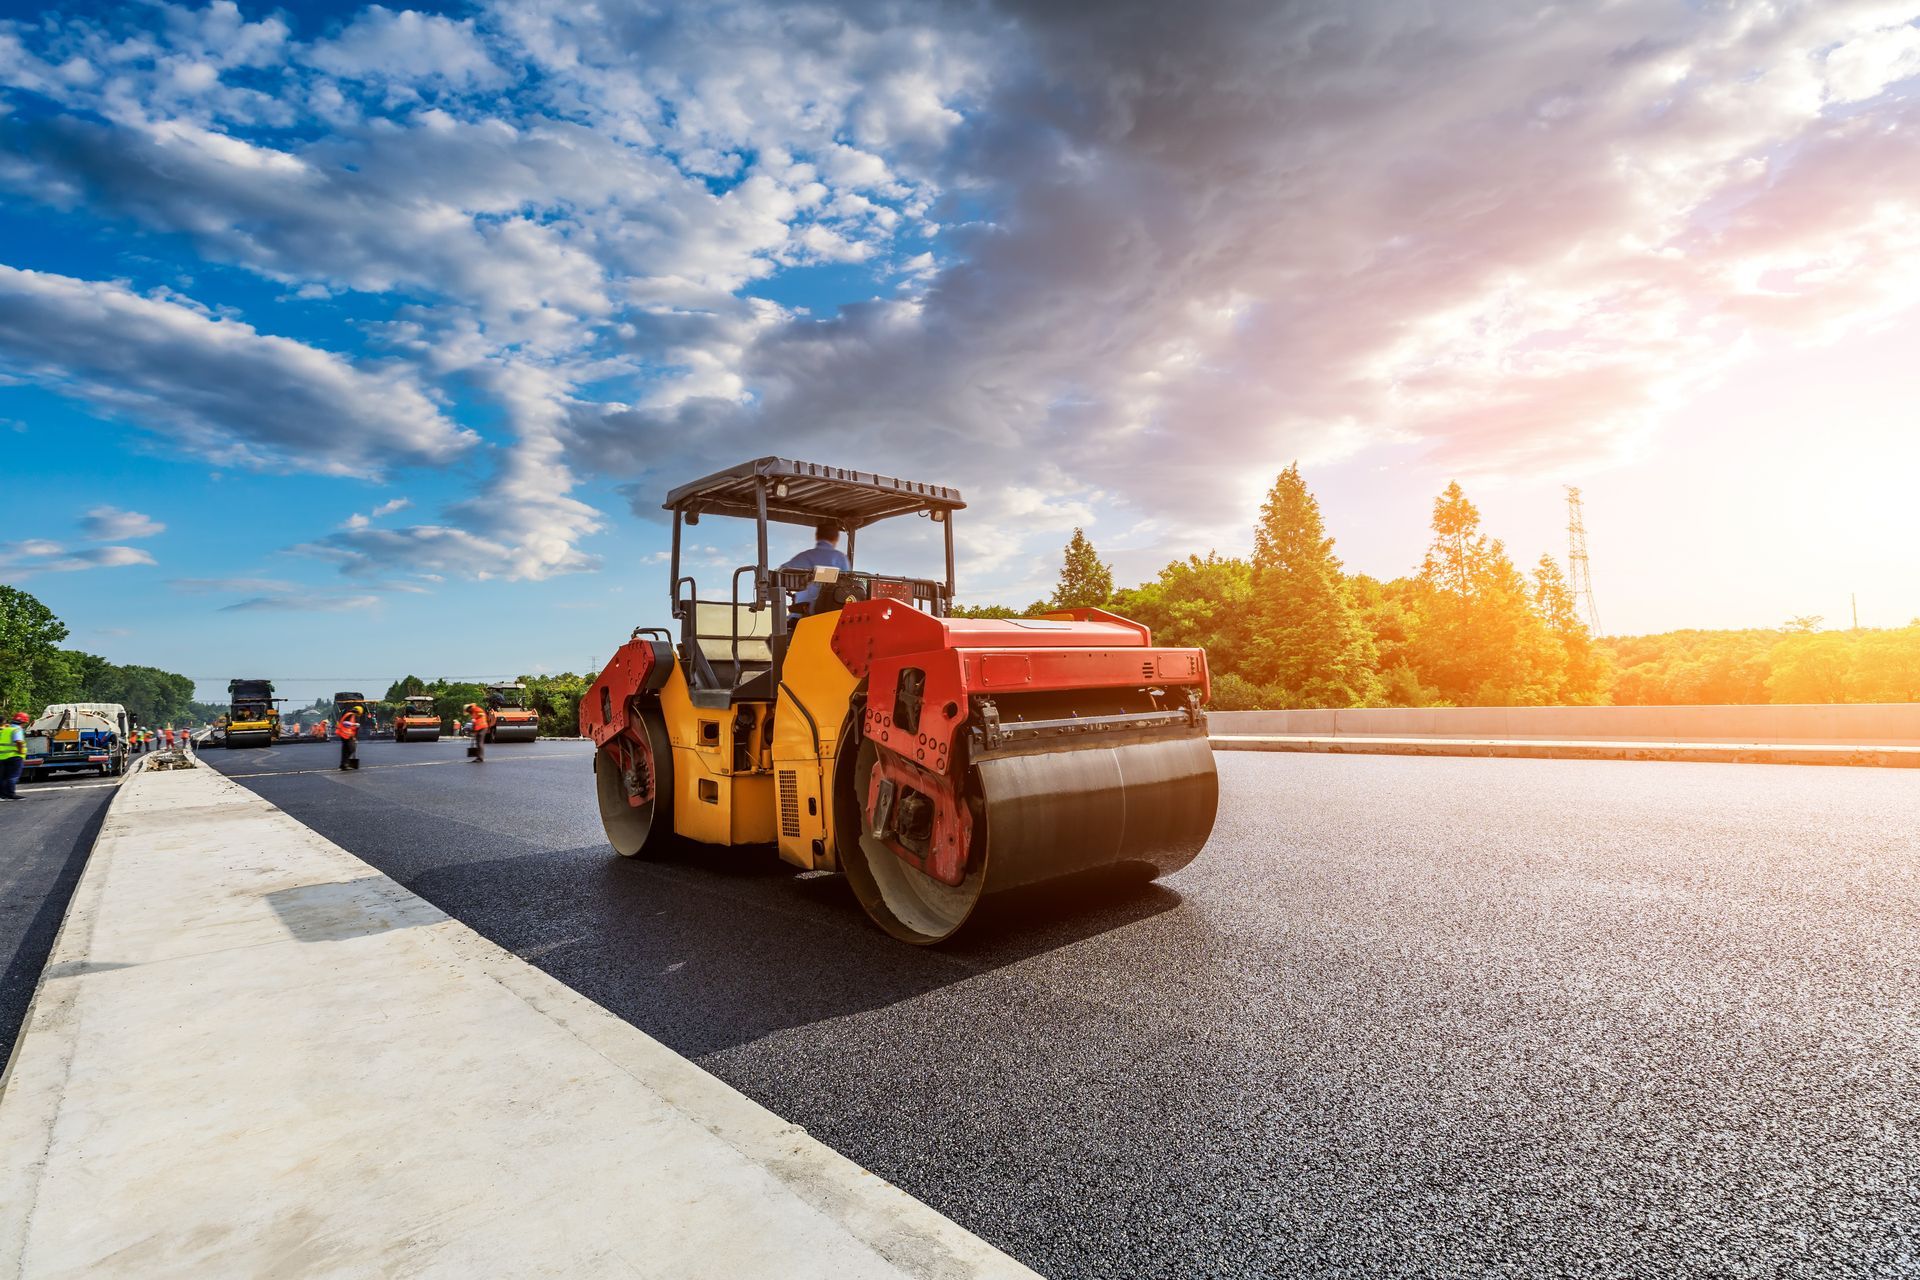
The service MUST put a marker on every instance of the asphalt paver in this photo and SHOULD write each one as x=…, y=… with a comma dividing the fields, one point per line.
x=1403, y=1016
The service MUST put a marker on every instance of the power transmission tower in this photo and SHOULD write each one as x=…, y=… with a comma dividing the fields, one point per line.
x=1579, y=572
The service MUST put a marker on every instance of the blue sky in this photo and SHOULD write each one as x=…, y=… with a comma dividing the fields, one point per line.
x=339, y=342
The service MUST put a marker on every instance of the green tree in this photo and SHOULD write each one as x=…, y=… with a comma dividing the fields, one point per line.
x=30, y=636
x=1689, y=668
x=1585, y=670
x=1084, y=581
x=1309, y=642
x=1886, y=666
x=1810, y=667
x=405, y=687
x=1480, y=641
x=557, y=699
x=989, y=611
x=1203, y=602
x=1390, y=611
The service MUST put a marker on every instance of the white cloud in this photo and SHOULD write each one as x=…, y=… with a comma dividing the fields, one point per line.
x=410, y=47
x=22, y=559
x=216, y=387
x=303, y=602
x=110, y=524
x=211, y=586
x=1130, y=257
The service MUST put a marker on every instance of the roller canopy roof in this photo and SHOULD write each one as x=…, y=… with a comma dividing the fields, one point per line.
x=813, y=493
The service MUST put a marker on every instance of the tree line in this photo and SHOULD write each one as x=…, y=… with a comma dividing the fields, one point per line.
x=1290, y=627
x=35, y=671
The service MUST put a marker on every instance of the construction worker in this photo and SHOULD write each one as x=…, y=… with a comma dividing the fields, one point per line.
x=13, y=754
x=825, y=554
x=480, y=722
x=348, y=731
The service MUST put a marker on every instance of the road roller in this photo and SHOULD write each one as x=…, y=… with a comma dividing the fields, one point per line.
x=253, y=713
x=417, y=721
x=847, y=718
x=513, y=720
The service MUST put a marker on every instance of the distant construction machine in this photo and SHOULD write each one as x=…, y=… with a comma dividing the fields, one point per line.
x=513, y=720
x=253, y=713
x=933, y=760
x=78, y=735
x=417, y=721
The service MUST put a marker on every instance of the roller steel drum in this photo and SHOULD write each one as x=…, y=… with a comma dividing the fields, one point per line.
x=1040, y=816
x=634, y=786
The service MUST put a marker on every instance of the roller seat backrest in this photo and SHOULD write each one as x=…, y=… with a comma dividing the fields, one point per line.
x=715, y=626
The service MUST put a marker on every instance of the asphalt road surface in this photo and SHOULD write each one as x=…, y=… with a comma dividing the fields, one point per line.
x=1402, y=1017
x=44, y=840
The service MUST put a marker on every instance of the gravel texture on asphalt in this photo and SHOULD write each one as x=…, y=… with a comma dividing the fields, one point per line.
x=1403, y=1016
x=45, y=837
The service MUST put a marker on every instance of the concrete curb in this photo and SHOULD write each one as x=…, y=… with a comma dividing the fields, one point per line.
x=1889, y=757
x=252, y=1054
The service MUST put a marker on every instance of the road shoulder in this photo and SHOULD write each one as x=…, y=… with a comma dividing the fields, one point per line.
x=251, y=1053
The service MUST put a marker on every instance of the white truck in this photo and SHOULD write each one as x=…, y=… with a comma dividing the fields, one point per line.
x=78, y=735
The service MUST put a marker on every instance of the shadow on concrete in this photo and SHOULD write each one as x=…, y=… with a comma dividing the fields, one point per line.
x=349, y=909
x=706, y=948
x=81, y=968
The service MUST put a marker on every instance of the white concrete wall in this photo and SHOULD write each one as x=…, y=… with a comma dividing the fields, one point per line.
x=1891, y=723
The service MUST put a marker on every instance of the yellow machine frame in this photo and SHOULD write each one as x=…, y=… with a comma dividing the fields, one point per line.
x=735, y=785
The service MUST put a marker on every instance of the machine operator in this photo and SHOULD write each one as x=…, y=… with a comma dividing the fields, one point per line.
x=824, y=554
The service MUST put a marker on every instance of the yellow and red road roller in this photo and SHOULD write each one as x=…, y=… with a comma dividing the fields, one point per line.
x=933, y=760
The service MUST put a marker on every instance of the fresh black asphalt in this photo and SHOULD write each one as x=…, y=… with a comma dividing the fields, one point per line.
x=45, y=837
x=1402, y=1016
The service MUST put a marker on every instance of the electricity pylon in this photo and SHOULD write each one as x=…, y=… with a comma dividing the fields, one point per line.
x=1579, y=572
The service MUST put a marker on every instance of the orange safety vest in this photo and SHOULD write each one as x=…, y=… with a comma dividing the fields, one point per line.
x=348, y=728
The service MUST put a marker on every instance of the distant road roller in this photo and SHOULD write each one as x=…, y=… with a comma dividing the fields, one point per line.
x=417, y=721
x=512, y=719
x=933, y=760
x=253, y=713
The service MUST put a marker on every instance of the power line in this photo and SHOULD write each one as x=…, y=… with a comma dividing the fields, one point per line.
x=1579, y=572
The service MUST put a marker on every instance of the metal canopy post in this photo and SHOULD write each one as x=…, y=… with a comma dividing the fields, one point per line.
x=760, y=525
x=948, y=522
x=675, y=579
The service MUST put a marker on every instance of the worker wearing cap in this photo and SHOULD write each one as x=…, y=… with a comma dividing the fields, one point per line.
x=825, y=554
x=480, y=721
x=348, y=731
x=13, y=754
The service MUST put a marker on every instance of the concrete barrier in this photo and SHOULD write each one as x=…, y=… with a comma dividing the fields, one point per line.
x=1855, y=724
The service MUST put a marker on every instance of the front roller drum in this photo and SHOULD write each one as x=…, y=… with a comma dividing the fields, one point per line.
x=633, y=779
x=1148, y=805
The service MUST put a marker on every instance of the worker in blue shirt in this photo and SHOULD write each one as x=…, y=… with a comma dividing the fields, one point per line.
x=825, y=554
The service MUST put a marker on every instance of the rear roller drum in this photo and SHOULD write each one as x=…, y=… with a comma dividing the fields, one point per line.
x=634, y=783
